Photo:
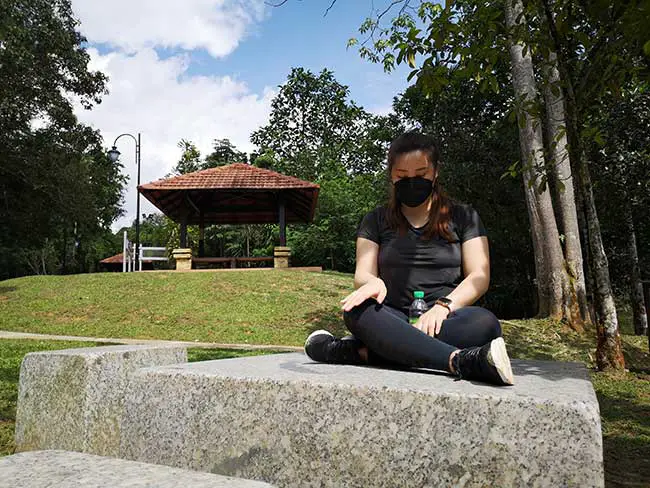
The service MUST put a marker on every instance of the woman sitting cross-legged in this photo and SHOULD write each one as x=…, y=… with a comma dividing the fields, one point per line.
x=421, y=241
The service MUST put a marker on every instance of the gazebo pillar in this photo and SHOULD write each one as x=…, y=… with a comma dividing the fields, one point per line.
x=283, y=220
x=282, y=253
x=183, y=255
x=183, y=232
x=202, y=234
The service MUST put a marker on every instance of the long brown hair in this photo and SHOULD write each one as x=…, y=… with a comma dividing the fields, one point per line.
x=440, y=213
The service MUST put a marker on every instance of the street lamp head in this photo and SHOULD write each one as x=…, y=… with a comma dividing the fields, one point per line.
x=113, y=154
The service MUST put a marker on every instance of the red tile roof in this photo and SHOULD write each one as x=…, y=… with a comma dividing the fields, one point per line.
x=232, y=176
x=117, y=259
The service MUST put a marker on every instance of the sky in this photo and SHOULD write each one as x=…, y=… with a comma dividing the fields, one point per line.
x=208, y=69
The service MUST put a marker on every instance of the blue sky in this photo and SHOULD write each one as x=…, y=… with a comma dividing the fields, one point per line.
x=298, y=34
x=208, y=69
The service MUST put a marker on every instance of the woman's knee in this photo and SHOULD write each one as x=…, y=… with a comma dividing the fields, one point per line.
x=351, y=317
x=486, y=320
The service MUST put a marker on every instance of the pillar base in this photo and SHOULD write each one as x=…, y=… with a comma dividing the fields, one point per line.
x=183, y=258
x=281, y=255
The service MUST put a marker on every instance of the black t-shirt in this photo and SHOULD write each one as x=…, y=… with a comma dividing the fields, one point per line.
x=408, y=263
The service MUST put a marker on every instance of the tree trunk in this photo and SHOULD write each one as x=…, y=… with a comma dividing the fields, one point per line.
x=552, y=278
x=584, y=237
x=609, y=353
x=575, y=297
x=636, y=287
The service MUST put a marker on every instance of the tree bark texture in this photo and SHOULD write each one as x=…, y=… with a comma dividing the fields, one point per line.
x=575, y=294
x=609, y=354
x=552, y=277
x=637, y=301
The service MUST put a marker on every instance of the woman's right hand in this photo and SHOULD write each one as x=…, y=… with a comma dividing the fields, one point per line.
x=374, y=288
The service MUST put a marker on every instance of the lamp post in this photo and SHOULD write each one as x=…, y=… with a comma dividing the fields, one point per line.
x=113, y=155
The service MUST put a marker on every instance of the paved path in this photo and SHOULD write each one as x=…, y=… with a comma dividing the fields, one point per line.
x=4, y=334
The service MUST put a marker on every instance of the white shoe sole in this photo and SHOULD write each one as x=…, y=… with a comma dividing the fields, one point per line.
x=499, y=358
x=318, y=332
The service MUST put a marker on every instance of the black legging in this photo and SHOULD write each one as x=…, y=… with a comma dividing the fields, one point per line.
x=391, y=339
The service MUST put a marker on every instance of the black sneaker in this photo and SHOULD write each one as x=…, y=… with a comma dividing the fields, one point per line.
x=323, y=347
x=489, y=363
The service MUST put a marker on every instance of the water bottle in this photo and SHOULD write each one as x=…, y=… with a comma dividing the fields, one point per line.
x=418, y=307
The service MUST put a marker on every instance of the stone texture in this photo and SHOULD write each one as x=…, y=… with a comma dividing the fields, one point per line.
x=292, y=422
x=64, y=469
x=281, y=256
x=72, y=399
x=183, y=258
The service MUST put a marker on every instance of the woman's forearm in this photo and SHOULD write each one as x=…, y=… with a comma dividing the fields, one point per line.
x=363, y=277
x=469, y=290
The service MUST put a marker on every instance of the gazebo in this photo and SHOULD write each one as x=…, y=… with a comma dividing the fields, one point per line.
x=234, y=194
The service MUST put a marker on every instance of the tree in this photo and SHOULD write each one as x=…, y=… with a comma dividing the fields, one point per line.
x=224, y=153
x=58, y=191
x=190, y=160
x=557, y=299
x=312, y=126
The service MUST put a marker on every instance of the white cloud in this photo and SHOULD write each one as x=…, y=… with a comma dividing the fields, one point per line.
x=156, y=97
x=215, y=25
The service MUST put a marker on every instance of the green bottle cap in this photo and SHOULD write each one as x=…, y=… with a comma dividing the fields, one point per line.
x=418, y=294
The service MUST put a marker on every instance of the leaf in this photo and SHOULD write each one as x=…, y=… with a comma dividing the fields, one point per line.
x=410, y=59
x=646, y=48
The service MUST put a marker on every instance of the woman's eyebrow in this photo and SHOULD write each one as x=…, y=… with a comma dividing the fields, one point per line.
x=418, y=169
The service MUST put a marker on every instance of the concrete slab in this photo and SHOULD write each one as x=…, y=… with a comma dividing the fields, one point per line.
x=72, y=399
x=292, y=422
x=65, y=469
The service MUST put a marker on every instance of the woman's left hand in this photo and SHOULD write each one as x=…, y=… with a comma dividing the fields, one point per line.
x=430, y=322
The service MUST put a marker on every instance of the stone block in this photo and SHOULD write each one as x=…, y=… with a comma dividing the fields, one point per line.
x=183, y=258
x=281, y=256
x=72, y=399
x=292, y=422
x=65, y=469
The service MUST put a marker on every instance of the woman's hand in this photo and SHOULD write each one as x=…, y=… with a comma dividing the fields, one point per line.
x=430, y=322
x=375, y=288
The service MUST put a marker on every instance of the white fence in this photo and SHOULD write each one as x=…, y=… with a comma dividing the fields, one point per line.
x=128, y=255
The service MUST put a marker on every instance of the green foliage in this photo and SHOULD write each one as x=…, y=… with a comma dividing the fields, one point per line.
x=314, y=128
x=224, y=153
x=190, y=158
x=316, y=133
x=621, y=174
x=59, y=193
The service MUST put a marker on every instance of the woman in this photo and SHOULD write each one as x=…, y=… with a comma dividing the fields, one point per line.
x=422, y=241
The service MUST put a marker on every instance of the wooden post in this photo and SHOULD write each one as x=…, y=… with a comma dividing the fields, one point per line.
x=202, y=235
x=183, y=233
x=283, y=220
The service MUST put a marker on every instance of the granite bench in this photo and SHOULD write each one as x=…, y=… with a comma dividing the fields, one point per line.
x=66, y=469
x=289, y=421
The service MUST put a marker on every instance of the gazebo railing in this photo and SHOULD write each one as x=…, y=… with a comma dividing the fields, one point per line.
x=152, y=258
x=128, y=255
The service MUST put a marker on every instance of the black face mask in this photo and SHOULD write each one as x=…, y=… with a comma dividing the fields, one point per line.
x=413, y=192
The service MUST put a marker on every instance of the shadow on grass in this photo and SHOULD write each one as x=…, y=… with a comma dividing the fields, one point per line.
x=6, y=289
x=626, y=447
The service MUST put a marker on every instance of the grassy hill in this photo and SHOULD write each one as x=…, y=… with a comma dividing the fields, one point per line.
x=282, y=308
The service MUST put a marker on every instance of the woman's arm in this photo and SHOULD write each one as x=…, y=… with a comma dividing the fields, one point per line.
x=367, y=256
x=366, y=279
x=475, y=256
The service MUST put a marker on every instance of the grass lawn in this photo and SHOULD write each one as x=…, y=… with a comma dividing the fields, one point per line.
x=256, y=307
x=282, y=308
